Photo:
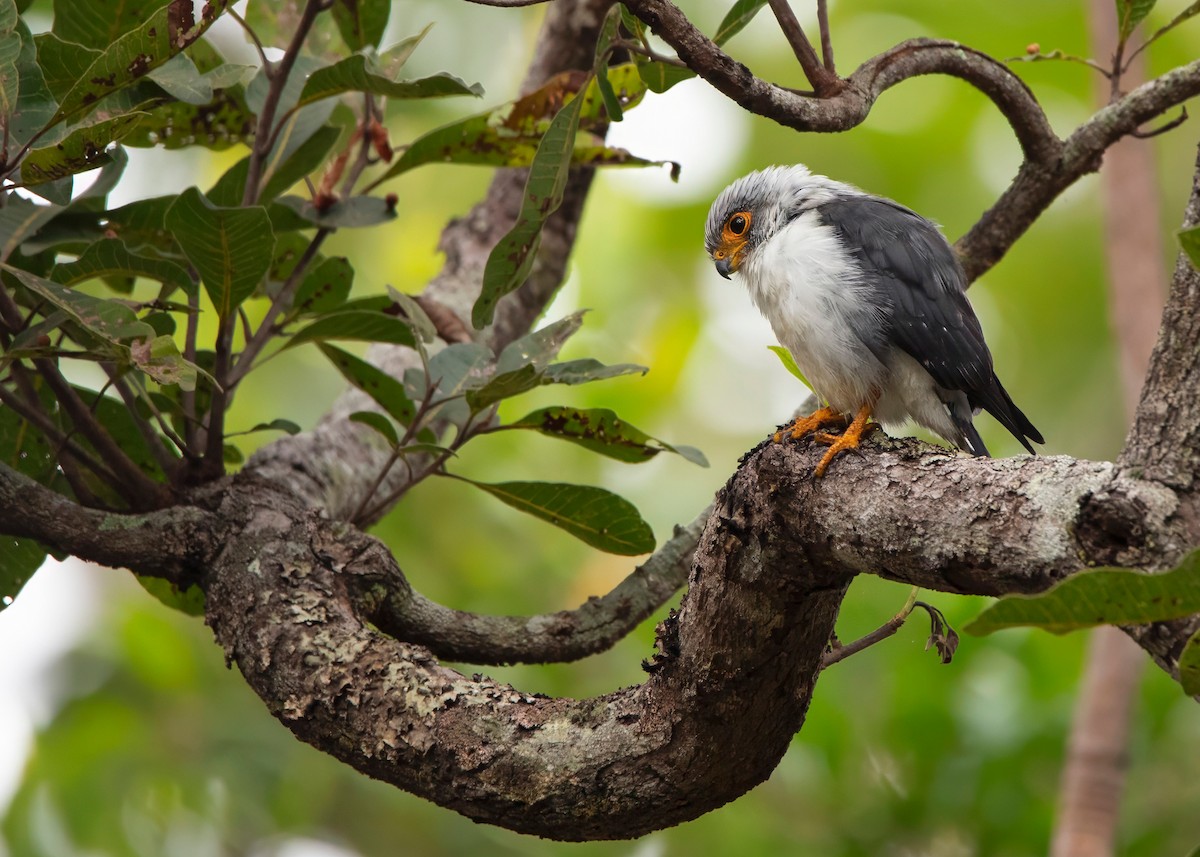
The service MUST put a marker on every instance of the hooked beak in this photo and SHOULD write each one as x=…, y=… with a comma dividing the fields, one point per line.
x=725, y=266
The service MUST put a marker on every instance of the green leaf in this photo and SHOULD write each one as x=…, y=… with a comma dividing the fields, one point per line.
x=10, y=77
x=357, y=325
x=1189, y=240
x=789, y=363
x=62, y=62
x=1189, y=666
x=325, y=288
x=111, y=321
x=383, y=389
x=735, y=20
x=280, y=424
x=352, y=213
x=180, y=79
x=1191, y=11
x=19, y=559
x=593, y=515
x=360, y=73
x=509, y=384
x=541, y=346
x=230, y=247
x=97, y=24
x=420, y=322
x=306, y=158
x=35, y=103
x=587, y=369
x=82, y=150
x=19, y=219
x=361, y=22
x=512, y=258
x=602, y=431
x=378, y=422
x=1130, y=13
x=459, y=367
x=110, y=258
x=160, y=359
x=508, y=136
x=1103, y=596
x=189, y=601
x=608, y=33
x=504, y=386
x=164, y=33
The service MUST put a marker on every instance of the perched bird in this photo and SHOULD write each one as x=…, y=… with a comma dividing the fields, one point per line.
x=870, y=300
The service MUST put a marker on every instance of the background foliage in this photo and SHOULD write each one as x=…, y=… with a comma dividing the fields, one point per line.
x=148, y=745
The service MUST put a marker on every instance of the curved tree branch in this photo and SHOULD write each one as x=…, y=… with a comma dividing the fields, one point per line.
x=567, y=635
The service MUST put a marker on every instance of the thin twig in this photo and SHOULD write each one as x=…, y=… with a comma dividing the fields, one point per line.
x=264, y=133
x=1165, y=127
x=258, y=45
x=187, y=398
x=154, y=440
x=281, y=302
x=823, y=81
x=887, y=629
x=826, y=39
x=46, y=426
x=508, y=4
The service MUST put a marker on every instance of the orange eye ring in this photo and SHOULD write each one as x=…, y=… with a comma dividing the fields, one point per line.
x=737, y=225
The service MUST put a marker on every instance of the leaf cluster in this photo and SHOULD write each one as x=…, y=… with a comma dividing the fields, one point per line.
x=176, y=298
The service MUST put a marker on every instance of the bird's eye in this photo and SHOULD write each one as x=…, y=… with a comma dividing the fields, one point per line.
x=739, y=223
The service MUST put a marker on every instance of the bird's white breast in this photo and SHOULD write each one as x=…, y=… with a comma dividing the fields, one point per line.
x=811, y=292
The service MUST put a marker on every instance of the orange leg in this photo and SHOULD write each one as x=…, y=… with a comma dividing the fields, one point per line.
x=849, y=439
x=826, y=416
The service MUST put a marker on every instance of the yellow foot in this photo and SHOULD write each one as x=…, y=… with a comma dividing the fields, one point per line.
x=826, y=416
x=849, y=439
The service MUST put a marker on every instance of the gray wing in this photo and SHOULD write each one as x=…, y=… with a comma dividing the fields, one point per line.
x=921, y=285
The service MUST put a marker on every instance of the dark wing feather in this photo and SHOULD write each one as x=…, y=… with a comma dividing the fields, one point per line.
x=921, y=285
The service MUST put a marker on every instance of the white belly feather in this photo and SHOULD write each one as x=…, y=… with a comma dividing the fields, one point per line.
x=812, y=295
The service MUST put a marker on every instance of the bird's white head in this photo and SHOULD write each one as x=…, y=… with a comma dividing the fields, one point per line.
x=752, y=209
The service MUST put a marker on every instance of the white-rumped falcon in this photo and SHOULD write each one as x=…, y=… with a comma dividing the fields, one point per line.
x=870, y=300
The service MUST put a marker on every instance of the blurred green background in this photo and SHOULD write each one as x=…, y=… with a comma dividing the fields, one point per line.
x=141, y=742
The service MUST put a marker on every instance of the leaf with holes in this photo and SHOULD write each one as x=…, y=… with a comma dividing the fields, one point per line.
x=383, y=389
x=230, y=247
x=1102, y=596
x=109, y=320
x=593, y=515
x=512, y=258
x=81, y=150
x=602, y=431
x=163, y=34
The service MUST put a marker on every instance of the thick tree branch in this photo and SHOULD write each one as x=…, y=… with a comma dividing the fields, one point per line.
x=173, y=544
x=1164, y=443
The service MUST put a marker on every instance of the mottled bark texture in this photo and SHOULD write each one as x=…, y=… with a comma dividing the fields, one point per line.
x=300, y=600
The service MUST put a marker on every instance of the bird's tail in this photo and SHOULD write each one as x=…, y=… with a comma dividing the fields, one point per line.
x=1012, y=418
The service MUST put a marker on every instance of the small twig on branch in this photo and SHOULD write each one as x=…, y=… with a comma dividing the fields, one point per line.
x=840, y=652
x=1165, y=127
x=824, y=81
x=826, y=38
x=508, y=4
